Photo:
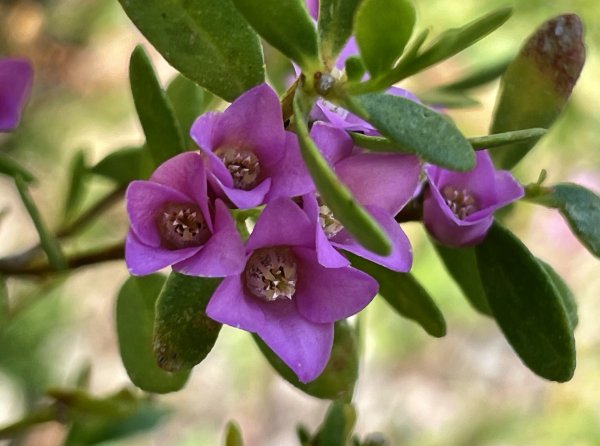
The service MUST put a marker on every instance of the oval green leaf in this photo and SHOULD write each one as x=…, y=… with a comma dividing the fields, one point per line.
x=337, y=196
x=207, y=41
x=163, y=135
x=565, y=293
x=581, y=208
x=461, y=264
x=183, y=334
x=537, y=84
x=336, y=20
x=233, y=435
x=382, y=29
x=405, y=295
x=135, y=323
x=526, y=305
x=340, y=374
x=77, y=183
x=416, y=129
x=286, y=25
x=337, y=426
x=125, y=165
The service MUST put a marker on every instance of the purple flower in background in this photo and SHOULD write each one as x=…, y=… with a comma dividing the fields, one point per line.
x=382, y=182
x=252, y=159
x=313, y=8
x=16, y=76
x=285, y=295
x=458, y=207
x=173, y=224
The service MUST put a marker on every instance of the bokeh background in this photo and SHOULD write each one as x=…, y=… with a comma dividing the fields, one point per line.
x=468, y=388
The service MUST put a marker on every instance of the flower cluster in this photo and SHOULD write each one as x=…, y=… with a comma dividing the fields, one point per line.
x=290, y=281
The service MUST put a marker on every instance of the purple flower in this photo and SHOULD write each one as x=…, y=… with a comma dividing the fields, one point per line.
x=252, y=159
x=16, y=76
x=285, y=295
x=313, y=8
x=172, y=223
x=458, y=207
x=382, y=182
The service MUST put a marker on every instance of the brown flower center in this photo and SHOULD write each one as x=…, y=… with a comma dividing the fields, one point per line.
x=462, y=202
x=182, y=226
x=331, y=226
x=243, y=165
x=270, y=274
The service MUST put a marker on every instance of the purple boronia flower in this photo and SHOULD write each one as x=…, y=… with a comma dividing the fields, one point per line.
x=173, y=223
x=16, y=76
x=382, y=182
x=286, y=295
x=252, y=159
x=458, y=207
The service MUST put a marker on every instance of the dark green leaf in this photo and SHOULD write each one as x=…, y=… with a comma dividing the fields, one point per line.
x=406, y=295
x=4, y=302
x=233, y=436
x=580, y=207
x=135, y=323
x=11, y=168
x=565, y=293
x=506, y=138
x=183, y=334
x=286, y=25
x=340, y=374
x=477, y=77
x=339, y=199
x=336, y=19
x=125, y=165
x=337, y=426
x=207, y=41
x=461, y=264
x=448, y=99
x=189, y=101
x=416, y=128
x=538, y=83
x=49, y=243
x=163, y=135
x=382, y=29
x=453, y=41
x=75, y=192
x=526, y=305
x=355, y=69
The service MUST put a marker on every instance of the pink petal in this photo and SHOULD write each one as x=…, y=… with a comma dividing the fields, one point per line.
x=142, y=259
x=334, y=143
x=290, y=177
x=16, y=78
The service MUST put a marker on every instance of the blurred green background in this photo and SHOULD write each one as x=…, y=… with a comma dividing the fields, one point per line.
x=465, y=389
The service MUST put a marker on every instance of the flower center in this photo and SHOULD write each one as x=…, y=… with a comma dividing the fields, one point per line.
x=271, y=274
x=182, y=226
x=460, y=201
x=331, y=226
x=243, y=165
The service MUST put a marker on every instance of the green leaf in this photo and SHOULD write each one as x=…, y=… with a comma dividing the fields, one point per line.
x=340, y=374
x=183, y=334
x=49, y=243
x=355, y=69
x=580, y=207
x=461, y=264
x=506, y=138
x=125, y=165
x=286, y=25
x=233, y=435
x=11, y=168
x=538, y=83
x=209, y=42
x=346, y=209
x=448, y=99
x=477, y=77
x=526, y=305
x=416, y=129
x=135, y=323
x=382, y=29
x=163, y=135
x=4, y=302
x=565, y=293
x=405, y=295
x=453, y=41
x=336, y=20
x=337, y=426
x=75, y=192
x=189, y=101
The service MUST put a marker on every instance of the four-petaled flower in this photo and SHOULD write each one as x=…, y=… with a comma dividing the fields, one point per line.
x=458, y=207
x=172, y=223
x=285, y=295
x=16, y=76
x=251, y=157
